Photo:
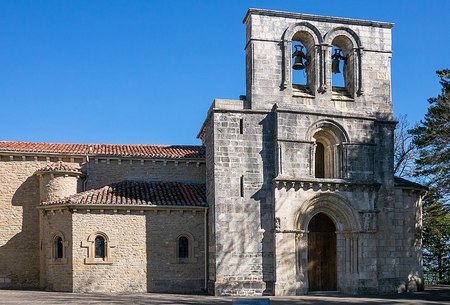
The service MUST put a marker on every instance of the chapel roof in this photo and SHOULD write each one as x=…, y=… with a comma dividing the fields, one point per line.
x=404, y=183
x=123, y=150
x=60, y=166
x=139, y=193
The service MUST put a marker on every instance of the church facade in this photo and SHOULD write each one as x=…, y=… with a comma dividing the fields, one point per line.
x=292, y=191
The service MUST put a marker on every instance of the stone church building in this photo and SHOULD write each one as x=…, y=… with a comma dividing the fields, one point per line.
x=292, y=190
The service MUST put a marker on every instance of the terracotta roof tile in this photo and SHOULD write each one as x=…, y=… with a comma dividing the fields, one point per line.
x=139, y=193
x=125, y=150
x=61, y=166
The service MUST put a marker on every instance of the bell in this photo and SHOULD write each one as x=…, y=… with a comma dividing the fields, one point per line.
x=298, y=56
x=335, y=66
x=298, y=63
x=336, y=57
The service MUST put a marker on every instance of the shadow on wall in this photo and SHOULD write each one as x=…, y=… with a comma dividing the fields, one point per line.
x=241, y=247
x=19, y=257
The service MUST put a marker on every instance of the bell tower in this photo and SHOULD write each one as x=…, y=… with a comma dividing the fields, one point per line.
x=318, y=47
x=309, y=148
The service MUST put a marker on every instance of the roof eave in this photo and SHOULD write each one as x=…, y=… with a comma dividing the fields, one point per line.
x=73, y=207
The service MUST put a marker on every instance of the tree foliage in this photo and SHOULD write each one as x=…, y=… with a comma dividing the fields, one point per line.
x=432, y=139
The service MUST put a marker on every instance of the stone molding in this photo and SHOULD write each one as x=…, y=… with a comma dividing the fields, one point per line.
x=310, y=17
x=334, y=185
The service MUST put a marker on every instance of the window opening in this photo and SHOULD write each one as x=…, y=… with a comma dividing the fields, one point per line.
x=241, y=126
x=183, y=247
x=320, y=160
x=99, y=247
x=242, y=186
x=338, y=64
x=59, y=247
x=299, y=63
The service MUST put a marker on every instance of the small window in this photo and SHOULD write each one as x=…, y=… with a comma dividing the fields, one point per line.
x=59, y=248
x=320, y=160
x=183, y=247
x=99, y=247
x=241, y=186
x=338, y=66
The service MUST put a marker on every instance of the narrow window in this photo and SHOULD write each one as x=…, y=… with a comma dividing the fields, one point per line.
x=242, y=186
x=319, y=159
x=58, y=247
x=338, y=65
x=183, y=247
x=99, y=247
x=299, y=62
x=241, y=126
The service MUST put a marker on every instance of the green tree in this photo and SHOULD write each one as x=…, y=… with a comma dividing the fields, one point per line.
x=432, y=139
x=436, y=241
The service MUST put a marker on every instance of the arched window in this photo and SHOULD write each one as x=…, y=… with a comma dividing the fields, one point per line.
x=99, y=247
x=183, y=247
x=58, y=248
x=345, y=56
x=338, y=68
x=303, y=72
x=319, y=160
x=327, y=155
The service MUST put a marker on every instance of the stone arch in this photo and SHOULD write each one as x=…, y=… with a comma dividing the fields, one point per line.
x=343, y=31
x=308, y=35
x=329, y=125
x=339, y=209
x=327, y=157
x=349, y=42
x=303, y=27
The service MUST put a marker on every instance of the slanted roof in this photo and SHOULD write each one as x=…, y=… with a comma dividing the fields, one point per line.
x=60, y=166
x=404, y=183
x=139, y=193
x=119, y=150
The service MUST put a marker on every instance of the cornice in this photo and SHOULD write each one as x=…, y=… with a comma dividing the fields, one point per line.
x=330, y=19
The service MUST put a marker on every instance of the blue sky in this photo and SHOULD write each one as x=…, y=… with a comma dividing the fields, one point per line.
x=137, y=71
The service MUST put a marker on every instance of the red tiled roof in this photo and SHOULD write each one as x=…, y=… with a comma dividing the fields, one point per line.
x=61, y=166
x=126, y=150
x=139, y=193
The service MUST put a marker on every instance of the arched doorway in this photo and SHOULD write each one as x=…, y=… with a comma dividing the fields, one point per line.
x=322, y=254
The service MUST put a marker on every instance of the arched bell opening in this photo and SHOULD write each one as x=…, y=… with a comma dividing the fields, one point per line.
x=342, y=65
x=303, y=62
x=322, y=262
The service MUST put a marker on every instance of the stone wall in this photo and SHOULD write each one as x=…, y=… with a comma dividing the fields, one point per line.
x=56, y=273
x=19, y=231
x=125, y=270
x=57, y=186
x=165, y=271
x=242, y=164
x=20, y=197
x=103, y=171
x=142, y=250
